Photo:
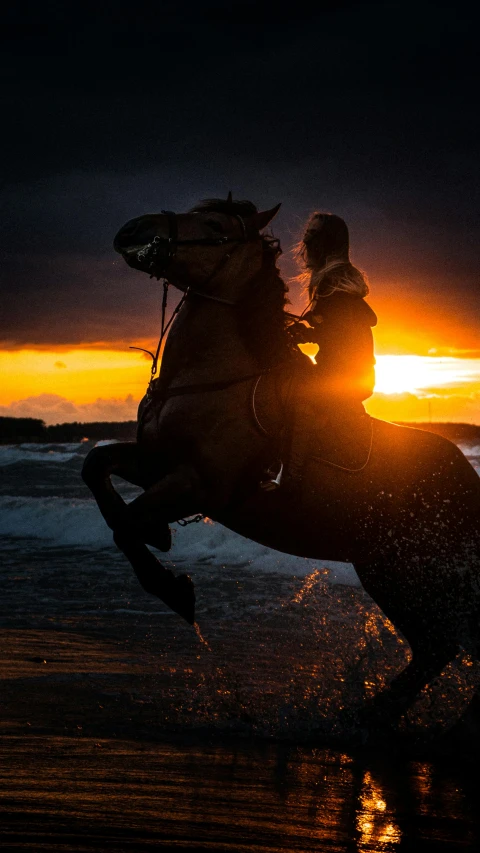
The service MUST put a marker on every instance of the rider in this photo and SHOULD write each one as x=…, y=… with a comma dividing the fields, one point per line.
x=341, y=324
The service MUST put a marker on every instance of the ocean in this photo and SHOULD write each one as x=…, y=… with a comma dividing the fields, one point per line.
x=124, y=728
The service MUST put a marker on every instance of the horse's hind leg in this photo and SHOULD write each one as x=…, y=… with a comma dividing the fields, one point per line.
x=416, y=604
x=433, y=611
x=426, y=664
x=122, y=460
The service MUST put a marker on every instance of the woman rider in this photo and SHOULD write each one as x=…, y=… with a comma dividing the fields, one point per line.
x=334, y=390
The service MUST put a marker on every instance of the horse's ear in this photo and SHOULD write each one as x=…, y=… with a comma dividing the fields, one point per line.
x=263, y=217
x=229, y=197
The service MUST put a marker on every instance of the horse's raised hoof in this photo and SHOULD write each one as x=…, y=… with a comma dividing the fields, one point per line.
x=180, y=597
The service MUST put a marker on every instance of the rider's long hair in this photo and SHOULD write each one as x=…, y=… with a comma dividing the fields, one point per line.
x=324, y=253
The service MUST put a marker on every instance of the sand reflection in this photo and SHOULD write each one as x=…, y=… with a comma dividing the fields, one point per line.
x=376, y=824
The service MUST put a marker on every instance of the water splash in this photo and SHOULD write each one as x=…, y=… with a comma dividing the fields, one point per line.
x=375, y=821
x=309, y=583
x=200, y=636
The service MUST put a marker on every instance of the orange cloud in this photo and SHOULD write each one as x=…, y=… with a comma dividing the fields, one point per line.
x=53, y=409
x=97, y=383
x=88, y=374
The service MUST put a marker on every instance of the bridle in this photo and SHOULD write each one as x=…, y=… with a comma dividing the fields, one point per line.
x=158, y=262
x=157, y=266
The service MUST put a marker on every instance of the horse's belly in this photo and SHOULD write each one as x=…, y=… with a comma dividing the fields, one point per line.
x=273, y=520
x=334, y=515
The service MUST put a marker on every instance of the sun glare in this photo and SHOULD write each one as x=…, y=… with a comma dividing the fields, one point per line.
x=309, y=349
x=397, y=374
x=408, y=387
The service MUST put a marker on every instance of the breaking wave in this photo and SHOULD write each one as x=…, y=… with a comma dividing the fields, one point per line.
x=76, y=522
x=11, y=454
x=473, y=455
x=67, y=522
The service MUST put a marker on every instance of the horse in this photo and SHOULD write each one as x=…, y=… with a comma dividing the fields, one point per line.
x=404, y=510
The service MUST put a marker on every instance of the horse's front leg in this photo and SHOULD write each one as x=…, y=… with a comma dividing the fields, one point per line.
x=174, y=496
x=121, y=459
x=145, y=520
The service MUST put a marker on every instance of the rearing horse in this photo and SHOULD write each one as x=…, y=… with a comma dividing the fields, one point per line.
x=407, y=517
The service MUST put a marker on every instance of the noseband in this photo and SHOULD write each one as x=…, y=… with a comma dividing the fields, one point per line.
x=159, y=254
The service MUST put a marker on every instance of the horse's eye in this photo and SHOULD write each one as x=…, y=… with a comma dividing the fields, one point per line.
x=215, y=224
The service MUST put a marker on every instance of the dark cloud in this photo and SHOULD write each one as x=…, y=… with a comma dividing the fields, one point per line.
x=120, y=88
x=112, y=110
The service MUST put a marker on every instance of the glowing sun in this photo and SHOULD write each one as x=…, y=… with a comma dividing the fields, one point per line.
x=397, y=374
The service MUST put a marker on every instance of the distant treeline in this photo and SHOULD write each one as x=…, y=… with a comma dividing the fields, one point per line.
x=18, y=430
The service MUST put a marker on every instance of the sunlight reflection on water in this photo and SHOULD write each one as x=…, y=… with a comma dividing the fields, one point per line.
x=377, y=829
x=77, y=794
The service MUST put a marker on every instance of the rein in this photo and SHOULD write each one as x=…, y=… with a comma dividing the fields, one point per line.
x=163, y=331
x=150, y=254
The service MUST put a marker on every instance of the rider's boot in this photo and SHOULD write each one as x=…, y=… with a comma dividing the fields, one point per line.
x=272, y=477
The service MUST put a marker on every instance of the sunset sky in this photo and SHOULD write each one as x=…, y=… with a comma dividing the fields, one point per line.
x=367, y=110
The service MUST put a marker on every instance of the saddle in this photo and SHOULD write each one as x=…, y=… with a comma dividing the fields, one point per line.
x=337, y=434
x=345, y=441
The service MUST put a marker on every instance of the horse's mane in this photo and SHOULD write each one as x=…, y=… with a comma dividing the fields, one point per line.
x=221, y=205
x=261, y=315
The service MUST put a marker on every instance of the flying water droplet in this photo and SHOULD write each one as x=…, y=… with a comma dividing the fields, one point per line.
x=200, y=636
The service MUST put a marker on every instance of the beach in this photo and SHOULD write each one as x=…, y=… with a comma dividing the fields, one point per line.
x=124, y=728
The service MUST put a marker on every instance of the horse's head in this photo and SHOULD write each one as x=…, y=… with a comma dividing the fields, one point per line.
x=215, y=248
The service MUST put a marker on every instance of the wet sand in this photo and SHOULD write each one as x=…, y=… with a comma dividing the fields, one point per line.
x=122, y=730
x=80, y=794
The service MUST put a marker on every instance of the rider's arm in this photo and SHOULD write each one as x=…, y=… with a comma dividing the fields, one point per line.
x=342, y=328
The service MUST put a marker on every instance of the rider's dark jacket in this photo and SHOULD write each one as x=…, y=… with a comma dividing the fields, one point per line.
x=345, y=362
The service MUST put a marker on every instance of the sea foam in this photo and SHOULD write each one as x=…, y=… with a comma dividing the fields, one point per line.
x=10, y=454
x=64, y=522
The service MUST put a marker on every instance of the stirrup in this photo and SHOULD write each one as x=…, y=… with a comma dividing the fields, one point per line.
x=274, y=482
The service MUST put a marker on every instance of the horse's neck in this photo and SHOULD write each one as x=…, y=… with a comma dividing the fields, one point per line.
x=205, y=345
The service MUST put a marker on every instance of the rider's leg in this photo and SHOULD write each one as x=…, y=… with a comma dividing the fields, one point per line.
x=309, y=418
